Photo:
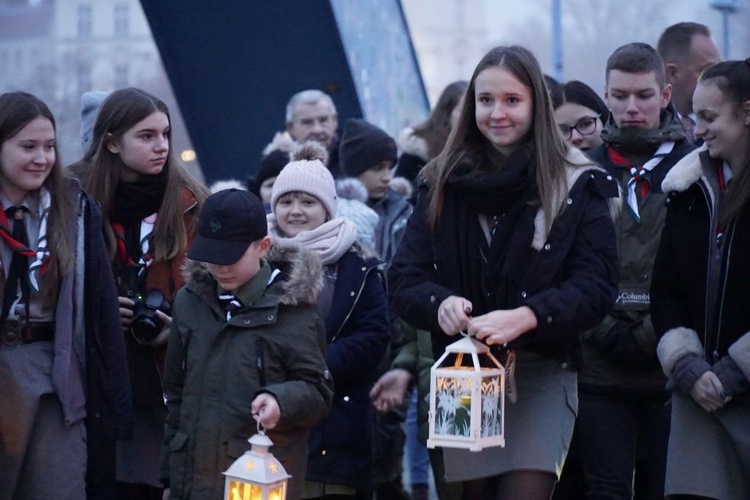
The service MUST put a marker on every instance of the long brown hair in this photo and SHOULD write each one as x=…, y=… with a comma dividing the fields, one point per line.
x=733, y=80
x=121, y=111
x=550, y=148
x=17, y=109
x=437, y=127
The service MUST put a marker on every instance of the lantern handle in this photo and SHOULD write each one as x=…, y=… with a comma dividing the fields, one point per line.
x=260, y=428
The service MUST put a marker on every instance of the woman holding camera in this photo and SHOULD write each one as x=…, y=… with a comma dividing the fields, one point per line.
x=152, y=206
x=64, y=393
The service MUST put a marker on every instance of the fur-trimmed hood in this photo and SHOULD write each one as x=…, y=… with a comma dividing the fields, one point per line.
x=281, y=141
x=300, y=282
x=410, y=143
x=686, y=172
x=577, y=164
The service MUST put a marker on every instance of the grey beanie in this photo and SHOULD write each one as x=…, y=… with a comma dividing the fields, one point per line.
x=90, y=104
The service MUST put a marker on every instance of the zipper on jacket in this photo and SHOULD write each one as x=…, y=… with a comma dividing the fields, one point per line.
x=728, y=237
x=711, y=298
x=356, y=299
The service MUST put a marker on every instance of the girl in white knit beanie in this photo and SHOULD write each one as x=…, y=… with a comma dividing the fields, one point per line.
x=353, y=304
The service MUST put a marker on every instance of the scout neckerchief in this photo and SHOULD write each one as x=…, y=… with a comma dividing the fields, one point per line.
x=145, y=236
x=38, y=267
x=639, y=174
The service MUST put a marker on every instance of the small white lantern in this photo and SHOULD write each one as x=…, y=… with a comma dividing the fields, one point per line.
x=467, y=398
x=256, y=475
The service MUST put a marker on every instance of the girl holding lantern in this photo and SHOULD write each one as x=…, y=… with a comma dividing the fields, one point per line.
x=511, y=241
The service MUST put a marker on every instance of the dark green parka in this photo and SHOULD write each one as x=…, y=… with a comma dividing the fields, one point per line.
x=215, y=368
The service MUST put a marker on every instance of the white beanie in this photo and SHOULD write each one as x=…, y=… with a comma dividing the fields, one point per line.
x=307, y=173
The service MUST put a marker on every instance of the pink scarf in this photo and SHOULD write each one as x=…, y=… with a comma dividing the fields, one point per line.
x=330, y=240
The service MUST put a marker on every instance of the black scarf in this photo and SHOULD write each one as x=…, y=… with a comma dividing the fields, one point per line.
x=134, y=201
x=640, y=143
x=504, y=188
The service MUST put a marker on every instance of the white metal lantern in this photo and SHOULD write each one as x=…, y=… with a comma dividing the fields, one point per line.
x=256, y=475
x=467, y=398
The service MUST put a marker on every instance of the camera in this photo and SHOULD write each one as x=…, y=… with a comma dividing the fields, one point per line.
x=146, y=325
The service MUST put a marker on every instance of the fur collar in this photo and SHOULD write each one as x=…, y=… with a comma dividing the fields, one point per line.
x=686, y=172
x=577, y=163
x=408, y=142
x=301, y=278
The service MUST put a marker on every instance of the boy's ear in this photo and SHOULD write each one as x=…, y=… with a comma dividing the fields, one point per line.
x=264, y=245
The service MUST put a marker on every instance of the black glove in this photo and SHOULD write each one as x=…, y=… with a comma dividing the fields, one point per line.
x=621, y=345
x=732, y=378
x=686, y=371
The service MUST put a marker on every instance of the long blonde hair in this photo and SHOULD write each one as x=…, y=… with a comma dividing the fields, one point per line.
x=121, y=111
x=549, y=146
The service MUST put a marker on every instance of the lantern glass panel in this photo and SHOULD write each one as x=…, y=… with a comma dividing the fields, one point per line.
x=277, y=491
x=239, y=490
x=492, y=407
x=453, y=406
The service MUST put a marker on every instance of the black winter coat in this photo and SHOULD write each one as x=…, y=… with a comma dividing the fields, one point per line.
x=108, y=397
x=358, y=331
x=570, y=283
x=680, y=293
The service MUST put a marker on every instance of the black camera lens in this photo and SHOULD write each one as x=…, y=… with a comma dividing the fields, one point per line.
x=146, y=329
x=146, y=325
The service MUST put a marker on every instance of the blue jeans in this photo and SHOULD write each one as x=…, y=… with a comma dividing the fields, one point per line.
x=416, y=452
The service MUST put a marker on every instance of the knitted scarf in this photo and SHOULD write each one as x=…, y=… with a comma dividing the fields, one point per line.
x=134, y=216
x=330, y=240
x=504, y=190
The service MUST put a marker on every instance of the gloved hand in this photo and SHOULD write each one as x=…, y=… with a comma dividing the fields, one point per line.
x=686, y=371
x=621, y=345
x=732, y=378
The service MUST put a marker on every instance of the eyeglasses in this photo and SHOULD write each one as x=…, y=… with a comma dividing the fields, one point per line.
x=584, y=126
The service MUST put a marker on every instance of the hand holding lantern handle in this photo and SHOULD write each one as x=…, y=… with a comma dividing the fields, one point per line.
x=266, y=410
x=502, y=326
x=453, y=314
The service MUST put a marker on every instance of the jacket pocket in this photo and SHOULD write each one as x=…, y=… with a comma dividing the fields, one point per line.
x=178, y=466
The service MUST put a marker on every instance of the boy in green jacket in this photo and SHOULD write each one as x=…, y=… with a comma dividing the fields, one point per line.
x=246, y=349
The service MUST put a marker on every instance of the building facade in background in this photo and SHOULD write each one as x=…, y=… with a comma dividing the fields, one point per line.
x=59, y=49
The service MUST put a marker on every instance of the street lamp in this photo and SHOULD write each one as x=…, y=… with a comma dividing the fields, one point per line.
x=726, y=7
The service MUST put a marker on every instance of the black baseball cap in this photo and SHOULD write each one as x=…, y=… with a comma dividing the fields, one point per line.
x=229, y=221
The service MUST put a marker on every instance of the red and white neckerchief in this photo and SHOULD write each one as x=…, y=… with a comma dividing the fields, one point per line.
x=39, y=266
x=41, y=256
x=144, y=239
x=639, y=174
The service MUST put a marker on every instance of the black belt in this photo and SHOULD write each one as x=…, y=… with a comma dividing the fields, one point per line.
x=13, y=332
